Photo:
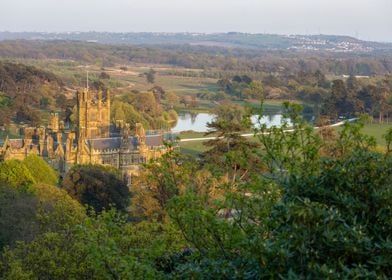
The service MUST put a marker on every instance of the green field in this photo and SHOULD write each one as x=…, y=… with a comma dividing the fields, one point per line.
x=377, y=131
x=193, y=148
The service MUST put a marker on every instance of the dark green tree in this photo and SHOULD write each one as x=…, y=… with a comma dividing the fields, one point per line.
x=97, y=186
x=150, y=76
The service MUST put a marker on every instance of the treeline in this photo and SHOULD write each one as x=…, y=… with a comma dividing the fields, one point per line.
x=306, y=204
x=337, y=98
x=24, y=90
x=207, y=58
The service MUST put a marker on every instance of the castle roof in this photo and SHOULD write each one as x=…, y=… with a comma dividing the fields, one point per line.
x=115, y=142
x=154, y=140
x=105, y=143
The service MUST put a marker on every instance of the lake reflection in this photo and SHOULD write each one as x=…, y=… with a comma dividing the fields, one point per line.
x=198, y=121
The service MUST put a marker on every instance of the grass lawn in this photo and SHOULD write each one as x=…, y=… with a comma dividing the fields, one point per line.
x=193, y=148
x=377, y=131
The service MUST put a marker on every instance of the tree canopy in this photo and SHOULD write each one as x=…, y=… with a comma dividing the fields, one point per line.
x=97, y=186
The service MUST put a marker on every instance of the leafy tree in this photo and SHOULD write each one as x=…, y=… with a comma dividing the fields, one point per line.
x=229, y=147
x=150, y=76
x=162, y=180
x=17, y=215
x=341, y=102
x=254, y=90
x=147, y=103
x=61, y=101
x=159, y=93
x=40, y=170
x=97, y=186
x=104, y=76
x=28, y=115
x=99, y=248
x=5, y=117
x=172, y=100
x=26, y=213
x=15, y=173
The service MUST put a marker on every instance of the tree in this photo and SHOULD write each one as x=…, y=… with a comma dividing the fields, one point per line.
x=61, y=101
x=159, y=93
x=172, y=99
x=339, y=102
x=230, y=151
x=150, y=76
x=162, y=180
x=147, y=103
x=29, y=115
x=40, y=170
x=14, y=173
x=104, y=76
x=97, y=186
x=225, y=85
x=5, y=117
x=27, y=213
x=254, y=90
x=17, y=215
x=193, y=103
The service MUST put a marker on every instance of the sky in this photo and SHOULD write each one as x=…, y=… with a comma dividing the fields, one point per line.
x=365, y=19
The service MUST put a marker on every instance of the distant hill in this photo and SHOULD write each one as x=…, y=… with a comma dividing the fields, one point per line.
x=212, y=59
x=331, y=43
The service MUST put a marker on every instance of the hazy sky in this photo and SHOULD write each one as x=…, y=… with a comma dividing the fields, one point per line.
x=370, y=19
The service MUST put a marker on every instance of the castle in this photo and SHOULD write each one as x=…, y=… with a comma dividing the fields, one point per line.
x=91, y=141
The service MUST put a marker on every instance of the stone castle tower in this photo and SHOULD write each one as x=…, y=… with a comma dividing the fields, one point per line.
x=93, y=115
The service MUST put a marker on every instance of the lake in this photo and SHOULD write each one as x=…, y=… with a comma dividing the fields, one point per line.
x=198, y=121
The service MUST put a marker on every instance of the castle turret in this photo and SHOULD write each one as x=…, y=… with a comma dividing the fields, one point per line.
x=54, y=122
x=41, y=138
x=93, y=115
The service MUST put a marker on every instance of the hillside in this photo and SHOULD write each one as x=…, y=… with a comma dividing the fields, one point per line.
x=204, y=57
x=331, y=43
x=24, y=90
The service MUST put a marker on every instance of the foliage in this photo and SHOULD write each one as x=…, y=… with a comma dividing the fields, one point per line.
x=16, y=174
x=308, y=217
x=17, y=215
x=103, y=246
x=229, y=145
x=26, y=213
x=40, y=170
x=24, y=90
x=97, y=186
x=163, y=179
x=150, y=76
